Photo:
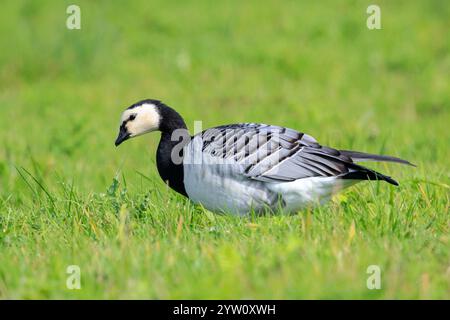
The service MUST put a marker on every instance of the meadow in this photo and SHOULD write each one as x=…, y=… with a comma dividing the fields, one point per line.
x=69, y=197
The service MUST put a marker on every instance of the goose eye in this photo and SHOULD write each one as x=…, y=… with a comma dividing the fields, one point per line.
x=132, y=117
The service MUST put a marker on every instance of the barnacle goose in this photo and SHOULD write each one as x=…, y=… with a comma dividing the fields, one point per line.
x=242, y=167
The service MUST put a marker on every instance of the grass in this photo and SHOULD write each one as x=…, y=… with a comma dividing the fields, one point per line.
x=68, y=197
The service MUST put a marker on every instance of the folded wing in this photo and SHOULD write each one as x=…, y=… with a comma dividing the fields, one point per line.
x=272, y=153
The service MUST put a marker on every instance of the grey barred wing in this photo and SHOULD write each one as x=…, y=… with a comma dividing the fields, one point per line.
x=271, y=153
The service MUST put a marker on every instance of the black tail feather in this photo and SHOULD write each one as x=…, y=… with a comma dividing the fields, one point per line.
x=367, y=174
x=357, y=156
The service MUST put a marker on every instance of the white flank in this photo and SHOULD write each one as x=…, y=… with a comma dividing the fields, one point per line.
x=306, y=192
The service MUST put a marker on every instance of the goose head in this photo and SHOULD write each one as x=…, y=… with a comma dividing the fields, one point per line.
x=147, y=116
x=138, y=119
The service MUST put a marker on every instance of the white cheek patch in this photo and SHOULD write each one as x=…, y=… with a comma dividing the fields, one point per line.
x=147, y=119
x=150, y=117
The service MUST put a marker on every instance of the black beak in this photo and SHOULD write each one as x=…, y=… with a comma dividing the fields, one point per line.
x=123, y=135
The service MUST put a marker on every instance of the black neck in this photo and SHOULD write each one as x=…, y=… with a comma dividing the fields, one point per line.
x=169, y=156
x=170, y=119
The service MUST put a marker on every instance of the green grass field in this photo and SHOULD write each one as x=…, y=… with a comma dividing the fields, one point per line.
x=69, y=197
